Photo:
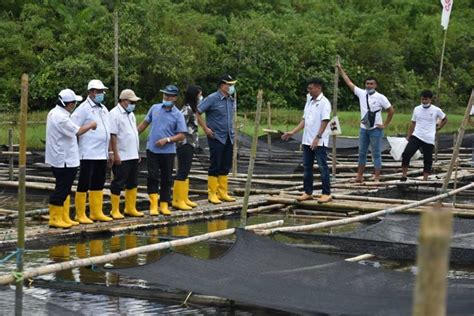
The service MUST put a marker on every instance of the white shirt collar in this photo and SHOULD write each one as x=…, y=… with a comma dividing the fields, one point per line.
x=318, y=98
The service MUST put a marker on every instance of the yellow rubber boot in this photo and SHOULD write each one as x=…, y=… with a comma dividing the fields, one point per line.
x=164, y=208
x=186, y=195
x=131, y=203
x=80, y=201
x=96, y=199
x=154, y=204
x=55, y=217
x=212, y=185
x=178, y=196
x=66, y=212
x=222, y=189
x=115, y=212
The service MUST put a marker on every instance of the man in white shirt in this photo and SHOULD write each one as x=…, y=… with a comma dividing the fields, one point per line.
x=125, y=146
x=317, y=113
x=62, y=154
x=93, y=153
x=371, y=128
x=422, y=133
x=471, y=121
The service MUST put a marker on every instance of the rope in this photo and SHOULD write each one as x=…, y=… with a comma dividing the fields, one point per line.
x=18, y=276
x=8, y=257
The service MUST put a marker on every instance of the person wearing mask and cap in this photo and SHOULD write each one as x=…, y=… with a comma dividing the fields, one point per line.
x=62, y=154
x=167, y=128
x=93, y=153
x=219, y=108
x=371, y=125
x=422, y=133
x=125, y=146
x=185, y=149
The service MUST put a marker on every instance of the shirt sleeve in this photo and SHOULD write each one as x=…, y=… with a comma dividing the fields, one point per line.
x=68, y=127
x=78, y=117
x=384, y=102
x=441, y=115
x=472, y=111
x=413, y=117
x=326, y=112
x=181, y=126
x=114, y=123
x=359, y=92
x=205, y=104
x=149, y=115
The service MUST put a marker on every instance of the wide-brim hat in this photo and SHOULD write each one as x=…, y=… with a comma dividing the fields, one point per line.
x=129, y=94
x=226, y=78
x=170, y=89
x=67, y=96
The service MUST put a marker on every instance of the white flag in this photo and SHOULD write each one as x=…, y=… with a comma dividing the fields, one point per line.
x=447, y=7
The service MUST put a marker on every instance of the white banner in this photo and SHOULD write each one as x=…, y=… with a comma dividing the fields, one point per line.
x=447, y=7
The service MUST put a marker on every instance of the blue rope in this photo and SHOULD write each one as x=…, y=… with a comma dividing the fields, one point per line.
x=19, y=255
x=8, y=257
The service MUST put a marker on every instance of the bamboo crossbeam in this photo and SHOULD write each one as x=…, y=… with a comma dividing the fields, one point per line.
x=364, y=217
x=51, y=268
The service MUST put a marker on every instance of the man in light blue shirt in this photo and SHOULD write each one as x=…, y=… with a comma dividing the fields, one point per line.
x=167, y=128
x=219, y=108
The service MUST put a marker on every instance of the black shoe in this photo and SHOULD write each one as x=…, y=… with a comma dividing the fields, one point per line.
x=403, y=179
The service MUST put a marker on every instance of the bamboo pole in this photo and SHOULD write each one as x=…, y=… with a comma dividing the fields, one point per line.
x=462, y=128
x=116, y=54
x=269, y=135
x=51, y=268
x=364, y=217
x=334, y=113
x=438, y=88
x=236, y=139
x=433, y=263
x=253, y=154
x=10, y=158
x=21, y=195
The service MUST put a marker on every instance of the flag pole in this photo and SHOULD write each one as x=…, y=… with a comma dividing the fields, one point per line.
x=438, y=88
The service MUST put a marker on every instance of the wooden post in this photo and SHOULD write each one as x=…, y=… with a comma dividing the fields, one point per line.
x=116, y=55
x=21, y=196
x=432, y=262
x=456, y=147
x=235, y=145
x=253, y=155
x=10, y=157
x=269, y=135
x=334, y=113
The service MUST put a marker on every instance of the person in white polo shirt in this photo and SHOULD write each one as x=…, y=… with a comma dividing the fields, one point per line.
x=471, y=121
x=93, y=154
x=372, y=103
x=125, y=146
x=62, y=154
x=422, y=133
x=317, y=113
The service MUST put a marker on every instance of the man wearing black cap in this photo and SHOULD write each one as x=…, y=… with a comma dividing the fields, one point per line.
x=167, y=127
x=219, y=108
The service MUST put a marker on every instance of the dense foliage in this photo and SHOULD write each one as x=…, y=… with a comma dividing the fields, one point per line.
x=274, y=45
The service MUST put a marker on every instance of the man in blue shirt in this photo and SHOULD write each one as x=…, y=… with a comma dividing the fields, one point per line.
x=167, y=128
x=219, y=108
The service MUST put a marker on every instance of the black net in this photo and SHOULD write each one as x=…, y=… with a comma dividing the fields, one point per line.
x=259, y=271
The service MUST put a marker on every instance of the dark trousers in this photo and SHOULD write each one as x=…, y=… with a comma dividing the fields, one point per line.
x=160, y=170
x=221, y=157
x=64, y=179
x=185, y=155
x=413, y=145
x=125, y=176
x=320, y=155
x=92, y=175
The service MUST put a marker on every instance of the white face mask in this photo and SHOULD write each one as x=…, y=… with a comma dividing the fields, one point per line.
x=426, y=105
x=200, y=98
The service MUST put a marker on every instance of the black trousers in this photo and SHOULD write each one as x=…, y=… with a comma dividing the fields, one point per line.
x=64, y=179
x=221, y=157
x=185, y=155
x=414, y=143
x=160, y=171
x=125, y=176
x=92, y=175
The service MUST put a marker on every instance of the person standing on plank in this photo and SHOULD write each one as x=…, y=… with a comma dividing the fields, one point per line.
x=62, y=154
x=125, y=146
x=94, y=154
x=422, y=133
x=471, y=121
x=185, y=149
x=220, y=109
x=167, y=128
x=317, y=113
x=372, y=126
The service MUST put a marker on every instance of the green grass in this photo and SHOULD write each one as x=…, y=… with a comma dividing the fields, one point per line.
x=282, y=120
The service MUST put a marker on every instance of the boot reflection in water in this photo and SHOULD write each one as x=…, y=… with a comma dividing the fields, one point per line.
x=180, y=231
x=61, y=253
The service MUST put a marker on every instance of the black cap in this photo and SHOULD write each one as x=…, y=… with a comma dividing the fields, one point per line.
x=227, y=79
x=170, y=89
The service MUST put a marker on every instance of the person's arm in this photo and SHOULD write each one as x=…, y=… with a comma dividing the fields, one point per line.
x=322, y=128
x=165, y=140
x=411, y=129
x=114, y=149
x=345, y=77
x=142, y=126
x=209, y=132
x=295, y=130
x=442, y=123
x=390, y=112
x=86, y=127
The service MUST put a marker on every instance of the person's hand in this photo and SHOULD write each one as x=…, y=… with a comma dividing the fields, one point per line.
x=161, y=142
x=117, y=160
x=209, y=132
x=110, y=160
x=381, y=126
x=314, y=143
x=286, y=136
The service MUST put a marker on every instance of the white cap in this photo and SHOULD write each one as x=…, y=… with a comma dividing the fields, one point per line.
x=129, y=94
x=67, y=95
x=96, y=84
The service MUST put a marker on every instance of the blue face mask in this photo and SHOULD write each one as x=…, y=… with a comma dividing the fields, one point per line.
x=167, y=103
x=370, y=91
x=130, y=107
x=231, y=89
x=99, y=98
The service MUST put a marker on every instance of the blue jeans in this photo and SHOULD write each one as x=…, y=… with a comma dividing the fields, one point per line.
x=308, y=160
x=374, y=138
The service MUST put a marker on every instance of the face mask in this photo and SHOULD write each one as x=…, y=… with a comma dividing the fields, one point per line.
x=370, y=91
x=426, y=105
x=167, y=103
x=130, y=107
x=99, y=98
x=200, y=98
x=231, y=89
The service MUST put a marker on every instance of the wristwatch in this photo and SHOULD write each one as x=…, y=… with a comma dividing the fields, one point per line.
x=168, y=140
x=319, y=136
